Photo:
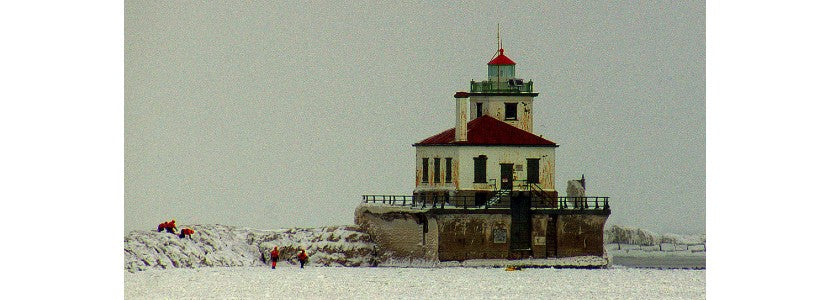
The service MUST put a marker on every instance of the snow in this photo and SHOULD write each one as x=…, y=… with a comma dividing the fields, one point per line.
x=173, y=267
x=227, y=246
x=289, y=281
x=638, y=236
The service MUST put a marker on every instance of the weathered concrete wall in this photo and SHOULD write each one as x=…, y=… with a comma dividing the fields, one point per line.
x=538, y=235
x=506, y=155
x=578, y=235
x=463, y=167
x=471, y=236
x=399, y=234
x=494, y=106
x=431, y=153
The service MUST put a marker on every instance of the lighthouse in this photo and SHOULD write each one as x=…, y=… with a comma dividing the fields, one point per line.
x=492, y=151
x=484, y=189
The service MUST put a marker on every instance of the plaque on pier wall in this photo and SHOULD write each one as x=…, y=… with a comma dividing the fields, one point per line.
x=499, y=236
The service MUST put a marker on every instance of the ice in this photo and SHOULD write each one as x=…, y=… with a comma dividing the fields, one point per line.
x=289, y=281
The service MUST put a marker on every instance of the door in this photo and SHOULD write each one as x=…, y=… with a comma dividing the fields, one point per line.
x=520, y=225
x=506, y=176
x=550, y=236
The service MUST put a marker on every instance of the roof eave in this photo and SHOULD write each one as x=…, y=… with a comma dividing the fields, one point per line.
x=468, y=144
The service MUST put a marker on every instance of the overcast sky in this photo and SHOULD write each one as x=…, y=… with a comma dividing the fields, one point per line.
x=273, y=115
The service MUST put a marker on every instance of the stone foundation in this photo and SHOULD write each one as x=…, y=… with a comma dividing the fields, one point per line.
x=579, y=235
x=459, y=234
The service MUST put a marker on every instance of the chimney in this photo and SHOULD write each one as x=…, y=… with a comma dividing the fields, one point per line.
x=461, y=105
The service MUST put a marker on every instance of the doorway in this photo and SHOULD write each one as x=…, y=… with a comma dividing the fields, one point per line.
x=520, y=225
x=507, y=177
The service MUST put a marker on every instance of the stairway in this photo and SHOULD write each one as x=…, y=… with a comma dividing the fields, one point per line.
x=496, y=200
x=543, y=200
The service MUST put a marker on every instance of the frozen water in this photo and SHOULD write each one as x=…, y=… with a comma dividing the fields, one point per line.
x=289, y=281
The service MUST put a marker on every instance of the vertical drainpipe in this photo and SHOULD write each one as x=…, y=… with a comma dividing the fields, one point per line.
x=461, y=105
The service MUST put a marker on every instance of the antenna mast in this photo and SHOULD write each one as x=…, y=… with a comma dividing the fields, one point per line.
x=498, y=40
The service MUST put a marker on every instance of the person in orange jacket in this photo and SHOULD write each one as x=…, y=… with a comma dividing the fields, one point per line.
x=275, y=255
x=186, y=232
x=303, y=258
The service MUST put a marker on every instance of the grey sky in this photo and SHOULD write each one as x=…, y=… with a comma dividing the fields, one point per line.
x=272, y=115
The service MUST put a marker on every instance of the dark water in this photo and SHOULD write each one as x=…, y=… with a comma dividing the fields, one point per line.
x=661, y=262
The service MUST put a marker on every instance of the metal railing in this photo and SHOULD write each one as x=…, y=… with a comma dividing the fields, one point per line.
x=394, y=200
x=469, y=202
x=583, y=203
x=432, y=201
x=500, y=87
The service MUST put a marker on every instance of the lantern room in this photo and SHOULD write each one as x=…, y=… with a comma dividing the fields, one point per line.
x=501, y=68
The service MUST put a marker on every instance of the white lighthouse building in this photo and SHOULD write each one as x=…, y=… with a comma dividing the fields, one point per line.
x=484, y=189
x=492, y=151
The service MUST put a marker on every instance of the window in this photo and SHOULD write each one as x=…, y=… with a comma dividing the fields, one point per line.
x=532, y=170
x=479, y=109
x=425, y=168
x=480, y=169
x=436, y=177
x=448, y=169
x=510, y=111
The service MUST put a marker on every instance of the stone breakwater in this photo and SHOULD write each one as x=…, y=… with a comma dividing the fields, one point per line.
x=350, y=246
x=228, y=246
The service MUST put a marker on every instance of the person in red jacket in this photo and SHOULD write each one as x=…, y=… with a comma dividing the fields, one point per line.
x=162, y=226
x=186, y=232
x=303, y=258
x=171, y=227
x=275, y=255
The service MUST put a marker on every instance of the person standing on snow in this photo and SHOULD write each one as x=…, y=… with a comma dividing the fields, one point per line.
x=303, y=258
x=275, y=255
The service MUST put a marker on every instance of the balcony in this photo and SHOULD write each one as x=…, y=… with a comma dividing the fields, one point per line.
x=510, y=86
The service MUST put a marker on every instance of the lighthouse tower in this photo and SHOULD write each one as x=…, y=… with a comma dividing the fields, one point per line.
x=503, y=96
x=492, y=148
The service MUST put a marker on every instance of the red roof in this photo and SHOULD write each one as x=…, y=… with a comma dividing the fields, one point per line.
x=486, y=130
x=501, y=59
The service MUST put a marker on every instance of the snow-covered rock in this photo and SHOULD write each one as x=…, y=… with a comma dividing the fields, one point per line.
x=638, y=236
x=228, y=246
